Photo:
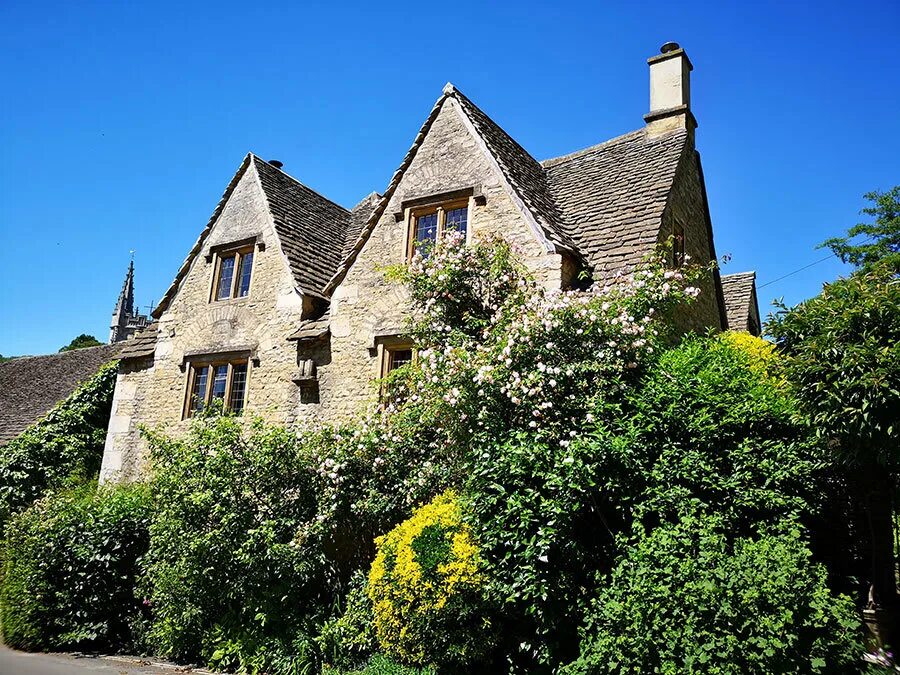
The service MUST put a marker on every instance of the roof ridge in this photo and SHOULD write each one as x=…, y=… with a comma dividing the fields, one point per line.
x=297, y=181
x=66, y=353
x=553, y=161
x=750, y=273
x=378, y=209
x=458, y=94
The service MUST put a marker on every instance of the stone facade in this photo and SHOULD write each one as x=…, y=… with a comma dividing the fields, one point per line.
x=152, y=392
x=321, y=312
x=687, y=208
x=365, y=304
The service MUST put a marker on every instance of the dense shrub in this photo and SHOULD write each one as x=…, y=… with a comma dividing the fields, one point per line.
x=348, y=639
x=229, y=578
x=65, y=445
x=381, y=665
x=691, y=598
x=69, y=567
x=425, y=586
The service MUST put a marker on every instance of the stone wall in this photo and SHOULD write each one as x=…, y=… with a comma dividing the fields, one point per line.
x=153, y=393
x=686, y=207
x=365, y=303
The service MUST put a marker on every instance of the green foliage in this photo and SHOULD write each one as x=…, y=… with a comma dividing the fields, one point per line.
x=883, y=251
x=229, y=578
x=347, y=639
x=703, y=425
x=66, y=445
x=69, y=568
x=381, y=665
x=843, y=358
x=691, y=598
x=82, y=341
x=4, y=359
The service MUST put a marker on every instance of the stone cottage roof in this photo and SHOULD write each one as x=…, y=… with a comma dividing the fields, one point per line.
x=603, y=204
x=31, y=385
x=312, y=230
x=611, y=196
x=741, y=306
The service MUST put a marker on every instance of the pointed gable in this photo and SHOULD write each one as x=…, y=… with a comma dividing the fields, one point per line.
x=523, y=176
x=312, y=230
x=741, y=306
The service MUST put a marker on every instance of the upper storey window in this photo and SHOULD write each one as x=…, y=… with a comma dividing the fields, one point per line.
x=233, y=271
x=428, y=225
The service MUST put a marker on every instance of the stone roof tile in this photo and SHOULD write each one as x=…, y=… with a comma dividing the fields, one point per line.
x=140, y=345
x=31, y=385
x=313, y=229
x=739, y=291
x=611, y=196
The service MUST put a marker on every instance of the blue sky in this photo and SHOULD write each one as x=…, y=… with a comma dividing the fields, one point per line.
x=122, y=123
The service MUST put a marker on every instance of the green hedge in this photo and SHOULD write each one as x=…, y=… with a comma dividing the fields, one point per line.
x=689, y=598
x=65, y=445
x=70, y=563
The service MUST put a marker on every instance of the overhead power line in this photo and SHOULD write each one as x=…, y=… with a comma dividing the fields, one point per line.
x=806, y=267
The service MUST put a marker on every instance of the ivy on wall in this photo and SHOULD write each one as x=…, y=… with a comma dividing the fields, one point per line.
x=64, y=446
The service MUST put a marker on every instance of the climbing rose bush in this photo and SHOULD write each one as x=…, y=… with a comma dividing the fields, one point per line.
x=425, y=585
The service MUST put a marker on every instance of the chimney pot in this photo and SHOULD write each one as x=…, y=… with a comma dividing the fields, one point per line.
x=276, y=163
x=669, y=47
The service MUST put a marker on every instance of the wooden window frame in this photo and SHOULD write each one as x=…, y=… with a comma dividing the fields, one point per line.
x=441, y=210
x=239, y=253
x=194, y=367
x=678, y=246
x=387, y=362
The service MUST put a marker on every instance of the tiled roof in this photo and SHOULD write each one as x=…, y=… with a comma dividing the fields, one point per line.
x=142, y=344
x=523, y=172
x=313, y=230
x=31, y=385
x=611, y=196
x=739, y=291
x=604, y=203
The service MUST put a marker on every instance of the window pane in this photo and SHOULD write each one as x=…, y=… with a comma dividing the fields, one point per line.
x=198, y=395
x=238, y=386
x=458, y=219
x=426, y=232
x=399, y=358
x=226, y=272
x=220, y=380
x=244, y=278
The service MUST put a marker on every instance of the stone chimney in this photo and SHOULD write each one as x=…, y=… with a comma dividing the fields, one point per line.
x=670, y=91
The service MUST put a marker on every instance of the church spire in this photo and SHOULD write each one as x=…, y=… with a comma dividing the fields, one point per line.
x=124, y=312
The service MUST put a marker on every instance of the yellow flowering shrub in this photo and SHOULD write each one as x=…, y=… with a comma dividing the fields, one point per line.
x=425, y=586
x=761, y=353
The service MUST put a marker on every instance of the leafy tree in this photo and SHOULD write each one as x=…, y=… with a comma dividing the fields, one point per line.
x=843, y=349
x=4, y=359
x=82, y=341
x=882, y=243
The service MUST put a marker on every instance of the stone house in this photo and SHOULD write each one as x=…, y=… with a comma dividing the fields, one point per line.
x=281, y=307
